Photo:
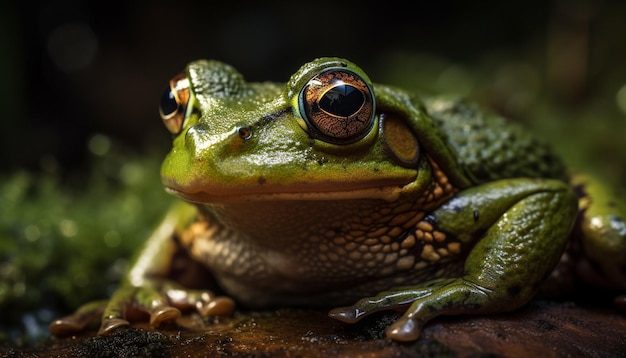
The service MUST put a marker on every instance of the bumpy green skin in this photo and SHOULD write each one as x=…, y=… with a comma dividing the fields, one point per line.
x=490, y=148
x=472, y=224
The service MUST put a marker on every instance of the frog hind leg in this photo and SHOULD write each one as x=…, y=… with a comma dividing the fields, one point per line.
x=517, y=251
x=602, y=236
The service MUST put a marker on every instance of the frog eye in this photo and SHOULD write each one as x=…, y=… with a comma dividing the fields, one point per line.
x=174, y=103
x=337, y=106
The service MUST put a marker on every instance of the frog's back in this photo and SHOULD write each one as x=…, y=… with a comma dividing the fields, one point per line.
x=488, y=147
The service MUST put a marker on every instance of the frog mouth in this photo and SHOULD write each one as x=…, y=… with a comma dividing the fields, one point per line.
x=386, y=192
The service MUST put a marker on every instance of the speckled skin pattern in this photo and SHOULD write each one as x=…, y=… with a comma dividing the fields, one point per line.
x=281, y=254
x=490, y=147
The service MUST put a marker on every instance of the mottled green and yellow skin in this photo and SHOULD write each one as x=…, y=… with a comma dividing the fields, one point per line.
x=429, y=206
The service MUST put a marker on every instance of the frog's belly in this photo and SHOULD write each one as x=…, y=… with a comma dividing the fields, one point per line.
x=273, y=288
x=318, y=267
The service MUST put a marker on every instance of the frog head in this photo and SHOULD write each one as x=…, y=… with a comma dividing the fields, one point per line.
x=327, y=133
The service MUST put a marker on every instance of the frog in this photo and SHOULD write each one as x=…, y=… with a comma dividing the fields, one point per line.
x=332, y=191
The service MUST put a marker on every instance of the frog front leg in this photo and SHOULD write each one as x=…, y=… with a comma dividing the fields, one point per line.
x=147, y=287
x=518, y=228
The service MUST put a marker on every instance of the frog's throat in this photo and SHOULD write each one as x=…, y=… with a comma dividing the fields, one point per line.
x=387, y=193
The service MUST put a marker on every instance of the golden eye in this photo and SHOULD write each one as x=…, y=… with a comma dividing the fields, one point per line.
x=174, y=103
x=337, y=106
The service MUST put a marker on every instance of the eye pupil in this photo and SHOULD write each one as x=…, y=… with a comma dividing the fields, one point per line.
x=342, y=100
x=168, y=102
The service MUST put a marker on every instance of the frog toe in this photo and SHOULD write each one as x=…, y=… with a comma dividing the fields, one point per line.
x=159, y=315
x=79, y=320
x=204, y=302
x=405, y=329
x=349, y=314
x=132, y=303
x=108, y=325
x=66, y=325
x=162, y=314
x=219, y=306
x=398, y=300
x=420, y=304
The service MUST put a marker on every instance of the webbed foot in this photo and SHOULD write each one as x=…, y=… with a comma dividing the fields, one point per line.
x=161, y=300
x=420, y=304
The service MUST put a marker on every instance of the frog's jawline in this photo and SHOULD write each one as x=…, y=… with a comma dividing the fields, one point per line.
x=387, y=193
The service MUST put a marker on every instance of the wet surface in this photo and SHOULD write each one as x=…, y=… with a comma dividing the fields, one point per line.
x=542, y=328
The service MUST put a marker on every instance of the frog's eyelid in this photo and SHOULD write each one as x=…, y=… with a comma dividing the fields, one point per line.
x=180, y=84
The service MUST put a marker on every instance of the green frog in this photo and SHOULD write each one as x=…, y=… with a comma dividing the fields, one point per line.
x=333, y=191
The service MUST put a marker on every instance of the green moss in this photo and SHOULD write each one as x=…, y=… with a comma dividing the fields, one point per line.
x=66, y=241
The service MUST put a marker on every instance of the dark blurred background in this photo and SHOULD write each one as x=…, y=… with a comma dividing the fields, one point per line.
x=73, y=68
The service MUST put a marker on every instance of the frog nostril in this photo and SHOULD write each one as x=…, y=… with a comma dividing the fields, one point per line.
x=245, y=133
